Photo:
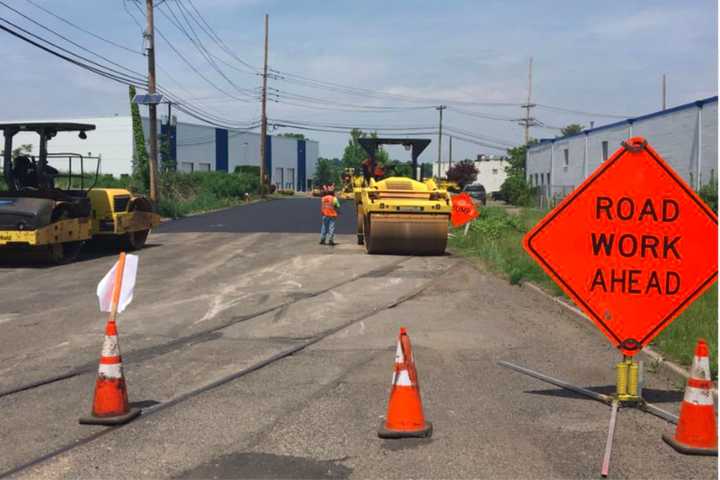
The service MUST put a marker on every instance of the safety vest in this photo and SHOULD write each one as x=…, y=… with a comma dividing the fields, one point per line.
x=327, y=206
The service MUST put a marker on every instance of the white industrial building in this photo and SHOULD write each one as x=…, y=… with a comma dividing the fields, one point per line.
x=491, y=171
x=685, y=136
x=194, y=147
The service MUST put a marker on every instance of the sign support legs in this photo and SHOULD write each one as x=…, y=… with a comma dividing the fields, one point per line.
x=629, y=393
x=608, y=445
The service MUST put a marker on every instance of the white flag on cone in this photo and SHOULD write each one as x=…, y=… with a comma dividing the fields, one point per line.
x=106, y=285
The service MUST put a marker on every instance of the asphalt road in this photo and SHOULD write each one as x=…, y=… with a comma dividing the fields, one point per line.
x=292, y=215
x=257, y=353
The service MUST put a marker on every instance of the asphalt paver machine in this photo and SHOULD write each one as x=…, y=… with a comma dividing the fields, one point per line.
x=400, y=215
x=40, y=218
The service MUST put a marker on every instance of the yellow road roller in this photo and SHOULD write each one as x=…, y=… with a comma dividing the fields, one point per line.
x=400, y=215
x=40, y=220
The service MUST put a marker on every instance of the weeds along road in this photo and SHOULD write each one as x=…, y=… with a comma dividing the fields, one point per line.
x=257, y=353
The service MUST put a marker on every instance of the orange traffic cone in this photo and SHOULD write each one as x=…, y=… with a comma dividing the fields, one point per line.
x=110, y=404
x=405, y=413
x=696, y=432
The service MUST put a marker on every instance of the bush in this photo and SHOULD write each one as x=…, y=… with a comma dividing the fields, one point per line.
x=709, y=194
x=182, y=193
x=248, y=169
x=516, y=191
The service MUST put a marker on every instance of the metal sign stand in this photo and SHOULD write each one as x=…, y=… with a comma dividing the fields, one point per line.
x=628, y=394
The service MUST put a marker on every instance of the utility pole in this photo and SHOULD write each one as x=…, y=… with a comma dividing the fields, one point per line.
x=168, y=137
x=528, y=121
x=263, y=117
x=450, y=154
x=440, y=109
x=664, y=93
x=152, y=108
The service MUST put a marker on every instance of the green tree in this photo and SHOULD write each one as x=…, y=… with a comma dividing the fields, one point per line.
x=24, y=149
x=572, y=129
x=515, y=188
x=327, y=171
x=141, y=172
x=395, y=168
x=354, y=154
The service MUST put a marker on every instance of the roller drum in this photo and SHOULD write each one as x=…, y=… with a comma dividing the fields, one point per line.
x=406, y=234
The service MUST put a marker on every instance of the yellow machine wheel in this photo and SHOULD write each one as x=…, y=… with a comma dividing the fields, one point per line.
x=360, y=234
x=136, y=240
x=406, y=234
x=65, y=252
x=61, y=253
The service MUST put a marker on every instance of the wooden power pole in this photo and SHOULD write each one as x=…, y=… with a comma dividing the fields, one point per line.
x=440, y=109
x=152, y=108
x=263, y=118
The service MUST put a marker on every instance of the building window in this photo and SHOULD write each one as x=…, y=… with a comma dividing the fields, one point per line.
x=604, y=150
x=548, y=178
x=203, y=167
x=566, y=159
x=494, y=171
x=186, y=166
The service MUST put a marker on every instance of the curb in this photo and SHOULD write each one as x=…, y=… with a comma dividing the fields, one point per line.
x=668, y=367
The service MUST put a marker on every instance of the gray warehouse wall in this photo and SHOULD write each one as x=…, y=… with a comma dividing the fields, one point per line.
x=685, y=136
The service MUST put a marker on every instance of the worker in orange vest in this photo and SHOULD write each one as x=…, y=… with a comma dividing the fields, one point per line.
x=328, y=208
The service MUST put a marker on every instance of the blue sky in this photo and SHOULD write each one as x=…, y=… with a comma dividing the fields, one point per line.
x=605, y=57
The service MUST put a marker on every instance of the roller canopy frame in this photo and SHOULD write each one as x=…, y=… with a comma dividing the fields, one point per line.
x=370, y=145
x=46, y=131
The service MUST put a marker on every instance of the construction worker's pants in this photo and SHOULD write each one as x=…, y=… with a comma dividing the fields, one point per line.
x=328, y=229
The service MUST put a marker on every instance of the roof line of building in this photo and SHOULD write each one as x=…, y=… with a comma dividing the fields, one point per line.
x=630, y=121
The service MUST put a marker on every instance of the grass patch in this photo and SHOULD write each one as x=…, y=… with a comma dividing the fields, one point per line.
x=699, y=321
x=185, y=193
x=496, y=239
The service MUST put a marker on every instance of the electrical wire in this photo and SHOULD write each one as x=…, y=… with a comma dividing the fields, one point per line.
x=103, y=70
x=77, y=27
x=197, y=43
x=580, y=112
x=210, y=32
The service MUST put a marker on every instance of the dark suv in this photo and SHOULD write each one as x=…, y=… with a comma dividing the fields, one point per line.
x=477, y=192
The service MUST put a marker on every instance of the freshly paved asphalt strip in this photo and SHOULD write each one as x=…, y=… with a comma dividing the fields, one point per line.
x=210, y=304
x=291, y=215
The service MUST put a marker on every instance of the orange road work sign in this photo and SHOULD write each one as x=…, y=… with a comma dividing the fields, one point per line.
x=633, y=246
x=463, y=210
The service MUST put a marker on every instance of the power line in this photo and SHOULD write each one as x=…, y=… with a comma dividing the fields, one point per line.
x=213, y=35
x=192, y=67
x=580, y=112
x=77, y=27
x=99, y=68
x=103, y=70
x=197, y=43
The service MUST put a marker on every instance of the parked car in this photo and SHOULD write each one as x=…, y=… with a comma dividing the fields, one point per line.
x=477, y=192
x=498, y=196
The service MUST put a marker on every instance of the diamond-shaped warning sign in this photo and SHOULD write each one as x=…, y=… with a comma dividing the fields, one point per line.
x=463, y=210
x=633, y=246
